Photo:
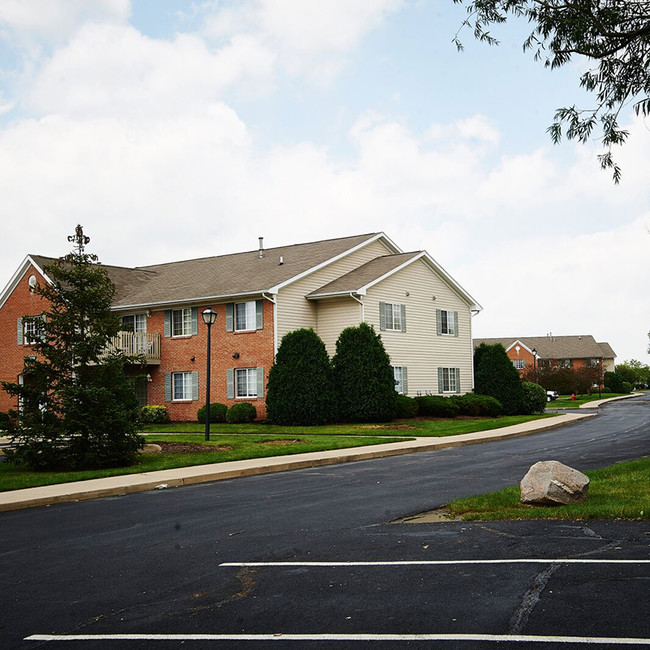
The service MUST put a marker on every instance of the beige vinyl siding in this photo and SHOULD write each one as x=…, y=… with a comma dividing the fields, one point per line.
x=295, y=311
x=334, y=316
x=420, y=349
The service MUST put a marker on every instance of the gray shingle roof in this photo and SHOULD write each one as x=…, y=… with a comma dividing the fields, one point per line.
x=580, y=346
x=364, y=275
x=220, y=276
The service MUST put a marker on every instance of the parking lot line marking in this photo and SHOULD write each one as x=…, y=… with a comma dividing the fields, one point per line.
x=433, y=562
x=496, y=638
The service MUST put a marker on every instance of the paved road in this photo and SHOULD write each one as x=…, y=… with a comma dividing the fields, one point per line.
x=153, y=563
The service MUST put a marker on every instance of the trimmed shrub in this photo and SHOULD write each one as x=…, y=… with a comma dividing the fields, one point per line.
x=436, y=406
x=407, y=407
x=364, y=382
x=154, y=415
x=217, y=413
x=241, y=413
x=495, y=376
x=299, y=391
x=627, y=387
x=615, y=382
x=534, y=398
x=473, y=405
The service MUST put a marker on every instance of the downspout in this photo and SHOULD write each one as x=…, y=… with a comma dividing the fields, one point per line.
x=274, y=301
x=473, y=313
x=363, y=311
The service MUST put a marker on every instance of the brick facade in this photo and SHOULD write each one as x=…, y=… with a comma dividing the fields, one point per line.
x=178, y=354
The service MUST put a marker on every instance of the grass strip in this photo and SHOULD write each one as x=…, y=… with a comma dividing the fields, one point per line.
x=620, y=491
x=416, y=427
x=566, y=402
x=226, y=448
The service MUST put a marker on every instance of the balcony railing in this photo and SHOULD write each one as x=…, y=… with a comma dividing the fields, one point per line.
x=138, y=343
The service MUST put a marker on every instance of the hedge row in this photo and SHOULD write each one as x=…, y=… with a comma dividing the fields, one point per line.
x=448, y=407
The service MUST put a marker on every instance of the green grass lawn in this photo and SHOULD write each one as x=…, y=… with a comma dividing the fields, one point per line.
x=246, y=441
x=620, y=491
x=416, y=427
x=226, y=448
x=565, y=401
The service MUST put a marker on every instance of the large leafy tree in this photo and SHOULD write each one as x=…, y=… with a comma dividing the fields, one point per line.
x=613, y=35
x=299, y=391
x=363, y=377
x=77, y=405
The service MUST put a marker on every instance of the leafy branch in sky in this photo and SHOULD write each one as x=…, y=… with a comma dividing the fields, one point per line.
x=613, y=35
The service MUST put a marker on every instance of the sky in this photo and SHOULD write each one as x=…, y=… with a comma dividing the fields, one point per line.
x=173, y=129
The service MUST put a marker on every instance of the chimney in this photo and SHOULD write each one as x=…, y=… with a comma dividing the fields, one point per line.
x=260, y=254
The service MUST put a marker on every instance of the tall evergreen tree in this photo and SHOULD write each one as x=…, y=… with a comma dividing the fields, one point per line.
x=299, y=391
x=78, y=407
x=363, y=377
x=494, y=375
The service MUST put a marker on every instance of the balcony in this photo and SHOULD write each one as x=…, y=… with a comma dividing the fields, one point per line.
x=138, y=343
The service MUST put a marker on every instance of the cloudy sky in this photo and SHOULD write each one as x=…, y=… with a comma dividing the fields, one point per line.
x=174, y=129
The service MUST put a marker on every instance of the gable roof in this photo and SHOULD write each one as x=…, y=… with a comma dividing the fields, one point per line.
x=579, y=346
x=218, y=277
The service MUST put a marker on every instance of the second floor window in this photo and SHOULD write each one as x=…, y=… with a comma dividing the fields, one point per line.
x=392, y=317
x=447, y=322
x=33, y=330
x=182, y=322
x=134, y=323
x=520, y=364
x=245, y=316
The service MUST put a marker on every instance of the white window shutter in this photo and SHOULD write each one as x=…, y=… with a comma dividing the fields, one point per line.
x=195, y=385
x=260, y=382
x=195, y=321
x=230, y=317
x=230, y=383
x=168, y=387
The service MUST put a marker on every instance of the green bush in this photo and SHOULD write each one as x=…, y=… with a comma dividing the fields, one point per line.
x=478, y=405
x=436, y=406
x=627, y=387
x=363, y=377
x=4, y=421
x=616, y=383
x=495, y=376
x=241, y=413
x=534, y=398
x=154, y=414
x=407, y=407
x=299, y=391
x=217, y=413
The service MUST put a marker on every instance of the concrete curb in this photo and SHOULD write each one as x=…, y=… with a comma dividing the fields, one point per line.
x=131, y=483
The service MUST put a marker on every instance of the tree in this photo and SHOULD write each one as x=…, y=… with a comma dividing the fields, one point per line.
x=634, y=372
x=299, y=390
x=614, y=35
x=494, y=375
x=78, y=407
x=364, y=381
x=564, y=380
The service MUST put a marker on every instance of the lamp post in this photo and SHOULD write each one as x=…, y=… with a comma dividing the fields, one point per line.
x=209, y=317
x=534, y=351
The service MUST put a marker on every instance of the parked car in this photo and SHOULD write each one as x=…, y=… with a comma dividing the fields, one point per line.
x=551, y=395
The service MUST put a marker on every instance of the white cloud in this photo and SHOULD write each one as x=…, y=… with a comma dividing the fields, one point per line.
x=310, y=38
x=31, y=22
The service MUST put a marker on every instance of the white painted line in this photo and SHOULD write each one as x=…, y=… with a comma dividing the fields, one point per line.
x=496, y=638
x=434, y=562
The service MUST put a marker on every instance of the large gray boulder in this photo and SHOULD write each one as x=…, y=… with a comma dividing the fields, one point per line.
x=550, y=483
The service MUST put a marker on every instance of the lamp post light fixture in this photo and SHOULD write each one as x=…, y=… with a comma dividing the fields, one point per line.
x=209, y=317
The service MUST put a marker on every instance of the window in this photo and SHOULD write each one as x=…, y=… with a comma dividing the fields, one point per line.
x=245, y=316
x=392, y=317
x=448, y=380
x=134, y=323
x=520, y=364
x=400, y=375
x=565, y=363
x=592, y=363
x=30, y=330
x=182, y=385
x=447, y=322
x=182, y=322
x=246, y=382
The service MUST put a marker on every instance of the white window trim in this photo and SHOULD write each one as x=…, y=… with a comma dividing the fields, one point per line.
x=449, y=317
x=452, y=376
x=142, y=317
x=187, y=386
x=251, y=382
x=184, y=320
x=395, y=310
x=250, y=316
x=398, y=375
x=33, y=330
